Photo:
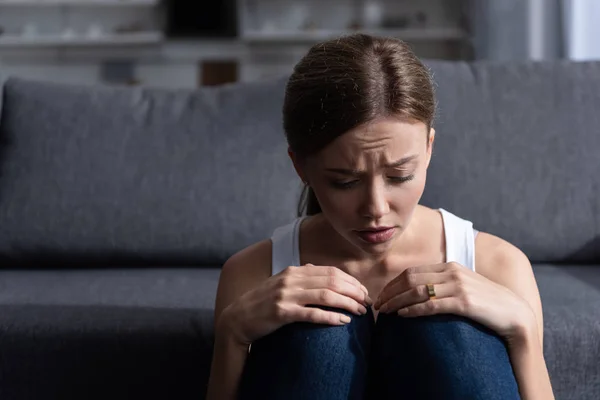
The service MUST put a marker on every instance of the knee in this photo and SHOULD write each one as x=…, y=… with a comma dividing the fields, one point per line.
x=434, y=326
x=447, y=339
x=298, y=335
x=462, y=355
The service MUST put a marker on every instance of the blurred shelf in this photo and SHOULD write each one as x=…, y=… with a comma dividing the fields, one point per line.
x=138, y=38
x=318, y=35
x=80, y=3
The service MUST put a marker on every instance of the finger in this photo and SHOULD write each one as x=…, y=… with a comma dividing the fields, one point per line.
x=319, y=316
x=418, y=294
x=329, y=298
x=410, y=281
x=448, y=305
x=327, y=270
x=337, y=284
x=418, y=270
x=323, y=270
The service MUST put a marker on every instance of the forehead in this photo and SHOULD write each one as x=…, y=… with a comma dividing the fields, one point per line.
x=380, y=141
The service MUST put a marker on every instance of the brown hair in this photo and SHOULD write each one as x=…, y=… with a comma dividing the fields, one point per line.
x=346, y=82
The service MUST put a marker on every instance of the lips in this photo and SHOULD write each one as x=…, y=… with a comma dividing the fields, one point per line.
x=376, y=235
x=377, y=229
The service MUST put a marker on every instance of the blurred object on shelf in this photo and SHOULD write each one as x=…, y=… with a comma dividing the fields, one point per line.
x=399, y=22
x=191, y=19
x=421, y=19
x=130, y=28
x=118, y=73
x=269, y=26
x=95, y=31
x=298, y=16
x=309, y=26
x=464, y=22
x=354, y=25
x=68, y=33
x=30, y=30
x=214, y=73
x=372, y=14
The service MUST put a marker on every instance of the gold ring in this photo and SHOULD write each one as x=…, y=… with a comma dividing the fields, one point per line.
x=431, y=291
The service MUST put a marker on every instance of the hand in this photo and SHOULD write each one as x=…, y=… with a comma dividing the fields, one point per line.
x=284, y=298
x=459, y=291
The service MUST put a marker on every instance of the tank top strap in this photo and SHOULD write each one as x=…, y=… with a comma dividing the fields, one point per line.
x=285, y=243
x=460, y=239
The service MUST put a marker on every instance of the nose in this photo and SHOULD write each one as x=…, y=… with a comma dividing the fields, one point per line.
x=375, y=204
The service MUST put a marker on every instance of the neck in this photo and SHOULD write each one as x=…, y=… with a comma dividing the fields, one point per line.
x=352, y=256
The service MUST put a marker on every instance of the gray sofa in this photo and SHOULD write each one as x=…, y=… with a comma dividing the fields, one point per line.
x=119, y=205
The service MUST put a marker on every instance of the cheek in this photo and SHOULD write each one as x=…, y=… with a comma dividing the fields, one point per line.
x=404, y=198
x=419, y=183
x=336, y=201
x=416, y=187
x=338, y=204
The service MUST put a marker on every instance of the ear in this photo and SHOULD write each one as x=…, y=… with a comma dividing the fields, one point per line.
x=430, y=146
x=297, y=165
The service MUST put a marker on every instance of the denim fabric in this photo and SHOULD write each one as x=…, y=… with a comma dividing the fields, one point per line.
x=438, y=357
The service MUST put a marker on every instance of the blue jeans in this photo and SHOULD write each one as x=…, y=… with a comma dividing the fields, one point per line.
x=442, y=357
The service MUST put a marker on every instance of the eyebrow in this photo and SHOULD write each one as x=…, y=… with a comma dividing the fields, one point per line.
x=394, y=164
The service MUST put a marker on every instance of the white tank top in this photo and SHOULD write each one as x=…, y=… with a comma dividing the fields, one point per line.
x=459, y=233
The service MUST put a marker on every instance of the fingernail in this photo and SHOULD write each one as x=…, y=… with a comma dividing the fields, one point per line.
x=363, y=310
x=383, y=308
x=345, y=319
x=369, y=301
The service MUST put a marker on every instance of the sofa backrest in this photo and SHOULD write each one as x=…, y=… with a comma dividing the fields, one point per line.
x=96, y=176
x=120, y=176
x=518, y=153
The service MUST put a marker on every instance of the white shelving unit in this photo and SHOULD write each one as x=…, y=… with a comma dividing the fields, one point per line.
x=121, y=39
x=318, y=35
x=70, y=40
x=311, y=20
x=79, y=3
x=64, y=24
x=276, y=33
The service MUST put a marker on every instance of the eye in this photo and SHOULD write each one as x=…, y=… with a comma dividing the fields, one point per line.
x=400, y=179
x=344, y=184
x=350, y=184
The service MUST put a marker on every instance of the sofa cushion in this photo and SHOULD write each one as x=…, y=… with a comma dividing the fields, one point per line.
x=127, y=333
x=106, y=334
x=571, y=302
x=516, y=152
x=123, y=176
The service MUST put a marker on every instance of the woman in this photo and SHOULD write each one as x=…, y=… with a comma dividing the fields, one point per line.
x=370, y=294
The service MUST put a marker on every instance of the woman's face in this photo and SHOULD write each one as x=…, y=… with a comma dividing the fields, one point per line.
x=370, y=180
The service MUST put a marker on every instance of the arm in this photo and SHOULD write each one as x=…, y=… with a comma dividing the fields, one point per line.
x=229, y=357
x=528, y=363
x=241, y=272
x=508, y=266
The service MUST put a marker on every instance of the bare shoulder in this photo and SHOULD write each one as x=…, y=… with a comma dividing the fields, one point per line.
x=497, y=258
x=492, y=250
x=504, y=263
x=501, y=261
x=242, y=272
